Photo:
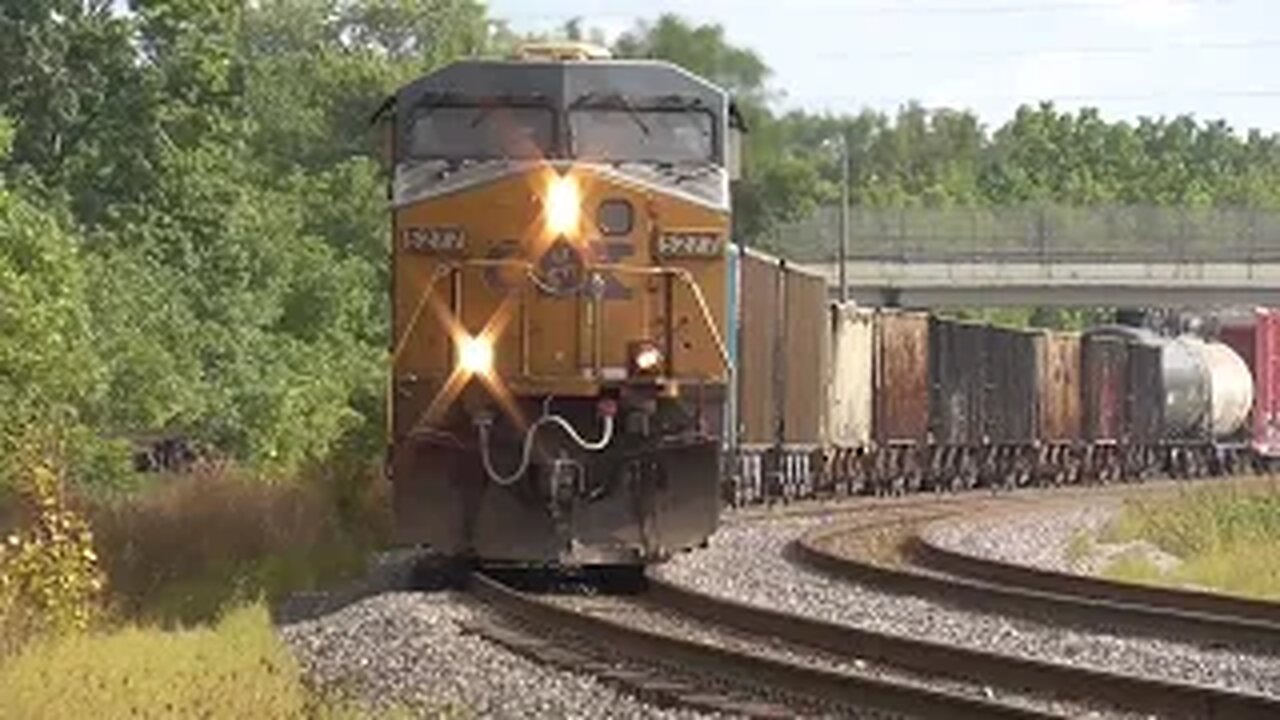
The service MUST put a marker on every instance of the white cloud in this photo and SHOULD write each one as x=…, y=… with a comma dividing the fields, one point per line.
x=1150, y=13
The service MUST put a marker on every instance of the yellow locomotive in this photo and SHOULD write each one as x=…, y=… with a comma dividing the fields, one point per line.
x=559, y=364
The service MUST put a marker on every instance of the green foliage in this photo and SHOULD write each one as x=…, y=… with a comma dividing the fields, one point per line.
x=1227, y=538
x=47, y=362
x=193, y=227
x=235, y=669
x=50, y=581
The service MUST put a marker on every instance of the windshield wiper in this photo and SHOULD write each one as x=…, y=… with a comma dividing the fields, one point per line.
x=612, y=102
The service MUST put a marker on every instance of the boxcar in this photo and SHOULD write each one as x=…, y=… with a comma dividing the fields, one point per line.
x=958, y=402
x=1266, y=381
x=849, y=396
x=1009, y=382
x=781, y=378
x=957, y=362
x=1058, y=412
x=901, y=378
x=1104, y=367
x=1058, y=406
x=1256, y=338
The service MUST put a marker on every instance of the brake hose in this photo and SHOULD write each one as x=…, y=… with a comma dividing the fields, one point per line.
x=527, y=453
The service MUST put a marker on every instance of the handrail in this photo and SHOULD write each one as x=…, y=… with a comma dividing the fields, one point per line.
x=681, y=274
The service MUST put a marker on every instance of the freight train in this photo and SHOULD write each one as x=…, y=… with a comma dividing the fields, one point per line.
x=584, y=370
x=836, y=399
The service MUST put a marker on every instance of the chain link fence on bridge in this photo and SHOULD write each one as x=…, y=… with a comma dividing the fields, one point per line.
x=1035, y=234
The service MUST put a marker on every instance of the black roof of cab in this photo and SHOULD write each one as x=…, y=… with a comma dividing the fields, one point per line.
x=559, y=85
x=562, y=83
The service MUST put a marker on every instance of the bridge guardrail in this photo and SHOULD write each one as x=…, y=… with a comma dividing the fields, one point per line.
x=1038, y=234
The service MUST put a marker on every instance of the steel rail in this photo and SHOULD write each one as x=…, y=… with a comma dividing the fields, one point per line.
x=1141, y=693
x=1210, y=609
x=751, y=671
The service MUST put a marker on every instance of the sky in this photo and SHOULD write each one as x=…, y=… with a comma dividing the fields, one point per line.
x=1129, y=58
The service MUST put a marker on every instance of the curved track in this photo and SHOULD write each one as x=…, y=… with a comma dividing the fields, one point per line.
x=933, y=679
x=1257, y=615
x=1028, y=592
x=804, y=689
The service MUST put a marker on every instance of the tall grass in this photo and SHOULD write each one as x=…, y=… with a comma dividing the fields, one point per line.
x=1227, y=538
x=187, y=548
x=234, y=669
x=180, y=627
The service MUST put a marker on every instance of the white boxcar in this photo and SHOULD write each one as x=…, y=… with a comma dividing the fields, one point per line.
x=850, y=400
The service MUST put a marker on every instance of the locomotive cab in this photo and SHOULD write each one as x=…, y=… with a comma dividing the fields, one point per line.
x=559, y=367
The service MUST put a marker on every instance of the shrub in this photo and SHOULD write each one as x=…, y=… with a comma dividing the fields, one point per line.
x=50, y=580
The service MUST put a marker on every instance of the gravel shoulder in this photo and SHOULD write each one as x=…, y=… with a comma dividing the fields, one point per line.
x=386, y=647
x=411, y=650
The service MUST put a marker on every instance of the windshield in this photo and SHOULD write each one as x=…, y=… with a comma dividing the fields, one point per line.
x=642, y=135
x=477, y=133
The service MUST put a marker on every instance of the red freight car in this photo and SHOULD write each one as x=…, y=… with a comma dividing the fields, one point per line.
x=1105, y=370
x=1256, y=338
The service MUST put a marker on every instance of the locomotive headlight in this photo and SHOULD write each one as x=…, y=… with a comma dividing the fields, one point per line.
x=563, y=206
x=475, y=355
x=646, y=358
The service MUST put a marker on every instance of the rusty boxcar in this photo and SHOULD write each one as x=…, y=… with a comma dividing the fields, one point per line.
x=1105, y=372
x=901, y=378
x=1058, y=412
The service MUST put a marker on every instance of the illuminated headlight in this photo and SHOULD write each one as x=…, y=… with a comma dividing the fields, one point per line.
x=475, y=355
x=690, y=244
x=646, y=358
x=435, y=240
x=563, y=206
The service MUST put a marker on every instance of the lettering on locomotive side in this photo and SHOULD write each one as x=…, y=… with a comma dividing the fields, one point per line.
x=435, y=240
x=690, y=244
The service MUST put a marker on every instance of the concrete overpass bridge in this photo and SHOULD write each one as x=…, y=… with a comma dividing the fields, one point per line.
x=1048, y=256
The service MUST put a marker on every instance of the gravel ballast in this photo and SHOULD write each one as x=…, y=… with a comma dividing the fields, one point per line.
x=661, y=620
x=1041, y=539
x=411, y=650
x=745, y=562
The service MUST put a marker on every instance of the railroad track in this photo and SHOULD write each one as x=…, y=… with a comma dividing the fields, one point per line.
x=703, y=676
x=679, y=647
x=1211, y=609
x=928, y=663
x=992, y=586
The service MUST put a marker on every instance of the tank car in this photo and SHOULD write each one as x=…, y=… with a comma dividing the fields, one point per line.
x=1186, y=406
x=559, y=363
